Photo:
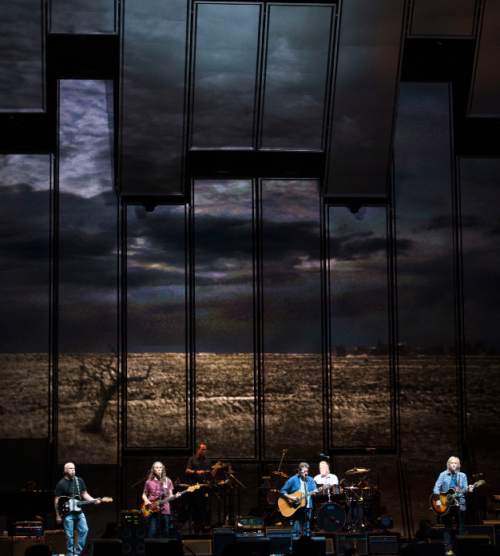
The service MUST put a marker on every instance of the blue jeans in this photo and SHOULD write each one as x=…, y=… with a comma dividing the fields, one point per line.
x=159, y=523
x=302, y=522
x=71, y=521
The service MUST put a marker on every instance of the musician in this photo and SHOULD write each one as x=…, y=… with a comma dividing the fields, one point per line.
x=324, y=477
x=159, y=488
x=198, y=470
x=303, y=483
x=73, y=487
x=452, y=479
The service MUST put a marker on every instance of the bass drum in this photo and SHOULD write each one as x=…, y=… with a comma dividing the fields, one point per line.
x=331, y=517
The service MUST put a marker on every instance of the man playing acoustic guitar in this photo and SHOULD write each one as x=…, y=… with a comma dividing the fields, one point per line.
x=452, y=479
x=297, y=493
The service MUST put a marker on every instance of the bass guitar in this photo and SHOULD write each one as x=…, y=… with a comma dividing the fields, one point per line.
x=441, y=503
x=66, y=504
x=287, y=508
x=155, y=506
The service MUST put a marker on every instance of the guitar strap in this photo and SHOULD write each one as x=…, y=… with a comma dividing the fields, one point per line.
x=77, y=483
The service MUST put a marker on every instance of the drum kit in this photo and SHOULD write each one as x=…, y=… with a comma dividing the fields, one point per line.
x=350, y=506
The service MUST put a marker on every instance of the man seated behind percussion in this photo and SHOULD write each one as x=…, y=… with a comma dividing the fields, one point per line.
x=73, y=487
x=452, y=479
x=157, y=487
x=300, y=482
x=198, y=470
x=324, y=477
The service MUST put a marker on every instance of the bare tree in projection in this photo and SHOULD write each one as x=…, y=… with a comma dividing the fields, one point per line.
x=104, y=376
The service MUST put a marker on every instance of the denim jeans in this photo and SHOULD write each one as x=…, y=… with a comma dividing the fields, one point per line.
x=302, y=522
x=75, y=520
x=159, y=524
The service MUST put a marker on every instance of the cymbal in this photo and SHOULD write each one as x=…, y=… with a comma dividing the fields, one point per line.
x=280, y=474
x=357, y=471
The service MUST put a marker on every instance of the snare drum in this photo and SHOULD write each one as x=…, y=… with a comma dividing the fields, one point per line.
x=331, y=517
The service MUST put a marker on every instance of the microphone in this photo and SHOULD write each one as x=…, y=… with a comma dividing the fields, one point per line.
x=324, y=456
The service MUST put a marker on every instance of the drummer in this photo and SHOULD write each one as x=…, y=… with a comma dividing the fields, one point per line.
x=324, y=477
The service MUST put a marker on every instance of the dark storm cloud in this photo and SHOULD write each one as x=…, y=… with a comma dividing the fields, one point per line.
x=82, y=16
x=152, y=130
x=21, y=82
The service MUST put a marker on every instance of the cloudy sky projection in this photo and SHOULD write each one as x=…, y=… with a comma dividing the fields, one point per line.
x=223, y=246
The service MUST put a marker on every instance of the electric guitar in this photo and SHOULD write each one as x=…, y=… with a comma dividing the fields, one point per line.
x=155, y=506
x=287, y=508
x=441, y=503
x=66, y=504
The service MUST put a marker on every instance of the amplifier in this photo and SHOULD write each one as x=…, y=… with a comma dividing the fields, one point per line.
x=249, y=523
x=383, y=544
x=28, y=529
x=356, y=541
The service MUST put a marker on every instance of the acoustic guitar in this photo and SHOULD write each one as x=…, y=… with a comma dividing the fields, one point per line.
x=155, y=506
x=441, y=503
x=287, y=508
x=66, y=504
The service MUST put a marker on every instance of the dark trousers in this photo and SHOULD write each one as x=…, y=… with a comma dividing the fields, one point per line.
x=453, y=523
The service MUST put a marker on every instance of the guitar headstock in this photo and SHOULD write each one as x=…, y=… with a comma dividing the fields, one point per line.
x=194, y=487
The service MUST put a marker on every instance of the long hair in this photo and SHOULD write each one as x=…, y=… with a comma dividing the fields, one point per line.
x=152, y=474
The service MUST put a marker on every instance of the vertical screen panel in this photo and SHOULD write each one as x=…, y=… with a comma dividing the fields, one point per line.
x=485, y=90
x=25, y=189
x=298, y=48
x=429, y=409
x=225, y=63
x=360, y=383
x=83, y=16
x=292, y=317
x=364, y=95
x=446, y=18
x=480, y=189
x=22, y=68
x=223, y=271
x=156, y=328
x=87, y=324
x=152, y=126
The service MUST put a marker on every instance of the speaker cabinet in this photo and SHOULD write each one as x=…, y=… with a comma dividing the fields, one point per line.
x=163, y=547
x=106, y=547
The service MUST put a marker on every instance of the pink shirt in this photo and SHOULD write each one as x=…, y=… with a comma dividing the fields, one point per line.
x=154, y=490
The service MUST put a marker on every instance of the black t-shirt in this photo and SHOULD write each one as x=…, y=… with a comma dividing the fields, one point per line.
x=70, y=487
x=197, y=464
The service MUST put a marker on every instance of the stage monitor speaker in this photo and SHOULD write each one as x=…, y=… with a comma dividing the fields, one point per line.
x=280, y=539
x=309, y=546
x=251, y=545
x=348, y=541
x=5, y=546
x=56, y=540
x=482, y=530
x=222, y=538
x=163, y=547
x=20, y=544
x=472, y=545
x=106, y=547
x=197, y=547
x=428, y=549
x=383, y=544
